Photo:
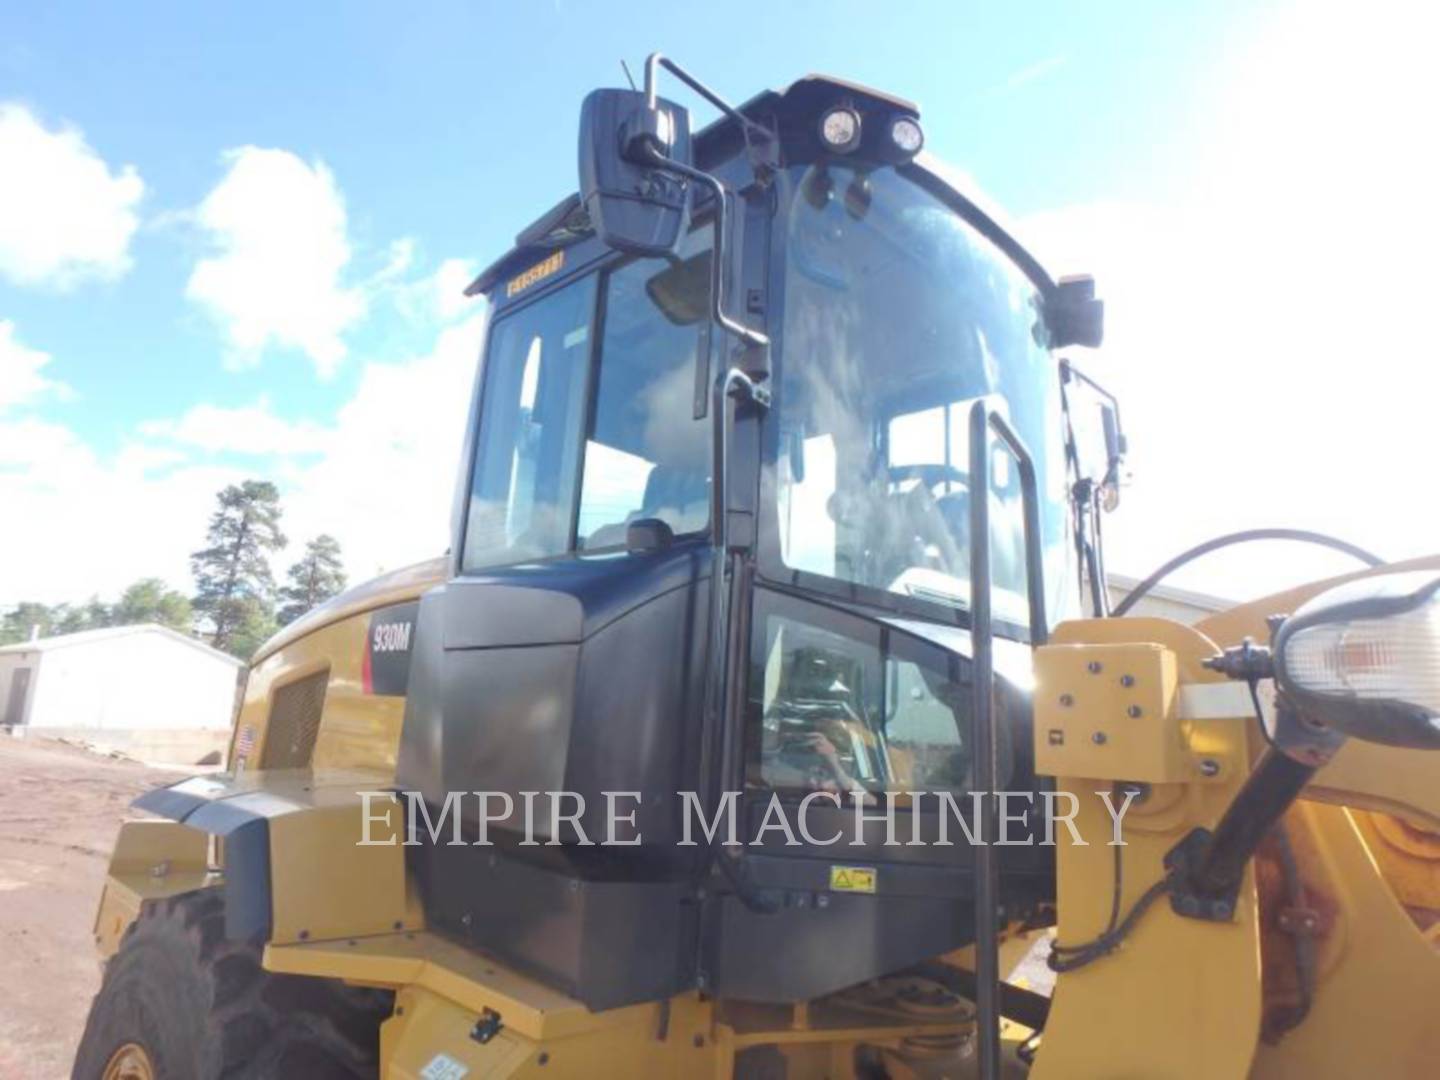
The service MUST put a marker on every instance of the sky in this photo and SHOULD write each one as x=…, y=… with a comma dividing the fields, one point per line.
x=233, y=241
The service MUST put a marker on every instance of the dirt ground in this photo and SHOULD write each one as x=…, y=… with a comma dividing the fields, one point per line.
x=60, y=807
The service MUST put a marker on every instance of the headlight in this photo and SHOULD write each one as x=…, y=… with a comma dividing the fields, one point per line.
x=1364, y=658
x=840, y=129
x=905, y=133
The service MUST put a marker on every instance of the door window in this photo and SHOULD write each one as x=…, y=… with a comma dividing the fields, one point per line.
x=532, y=413
x=647, y=456
x=845, y=705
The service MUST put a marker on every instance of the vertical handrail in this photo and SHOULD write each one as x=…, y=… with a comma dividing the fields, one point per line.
x=983, y=420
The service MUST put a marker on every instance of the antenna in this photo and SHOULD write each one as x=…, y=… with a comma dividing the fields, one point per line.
x=626, y=68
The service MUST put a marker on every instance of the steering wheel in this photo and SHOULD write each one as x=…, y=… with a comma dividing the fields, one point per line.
x=923, y=513
x=930, y=475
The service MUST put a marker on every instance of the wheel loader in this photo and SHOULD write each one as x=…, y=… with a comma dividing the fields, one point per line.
x=768, y=710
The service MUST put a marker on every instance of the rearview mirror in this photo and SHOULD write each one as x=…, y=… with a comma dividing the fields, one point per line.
x=634, y=206
x=1073, y=315
x=1364, y=659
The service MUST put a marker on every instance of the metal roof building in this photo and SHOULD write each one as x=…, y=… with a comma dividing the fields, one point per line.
x=1166, y=601
x=124, y=678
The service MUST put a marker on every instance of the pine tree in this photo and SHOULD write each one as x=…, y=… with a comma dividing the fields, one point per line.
x=234, y=588
x=319, y=575
x=150, y=601
x=254, y=625
x=19, y=621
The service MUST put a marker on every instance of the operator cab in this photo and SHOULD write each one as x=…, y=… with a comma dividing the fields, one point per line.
x=663, y=585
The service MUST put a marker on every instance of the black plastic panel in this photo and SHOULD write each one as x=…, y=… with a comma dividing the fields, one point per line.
x=805, y=950
x=588, y=680
x=608, y=943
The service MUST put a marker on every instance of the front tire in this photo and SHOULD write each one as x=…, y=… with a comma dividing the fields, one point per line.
x=182, y=1002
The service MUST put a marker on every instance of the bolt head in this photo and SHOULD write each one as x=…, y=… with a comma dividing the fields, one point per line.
x=1209, y=767
x=1134, y=712
x=1094, y=667
x=1066, y=700
x=1099, y=738
x=1127, y=680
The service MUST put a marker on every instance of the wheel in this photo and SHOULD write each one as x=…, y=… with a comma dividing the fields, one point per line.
x=180, y=1002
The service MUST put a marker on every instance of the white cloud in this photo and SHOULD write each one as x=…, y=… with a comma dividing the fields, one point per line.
x=449, y=284
x=384, y=483
x=248, y=429
x=1267, y=328
x=379, y=476
x=279, y=226
x=1029, y=73
x=81, y=525
x=438, y=296
x=64, y=215
x=20, y=380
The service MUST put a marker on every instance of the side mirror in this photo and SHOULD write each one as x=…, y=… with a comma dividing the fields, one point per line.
x=634, y=206
x=1073, y=315
x=1363, y=659
x=1099, y=445
x=1115, y=447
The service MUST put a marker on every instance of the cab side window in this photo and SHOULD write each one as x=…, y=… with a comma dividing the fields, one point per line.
x=840, y=704
x=646, y=455
x=531, y=415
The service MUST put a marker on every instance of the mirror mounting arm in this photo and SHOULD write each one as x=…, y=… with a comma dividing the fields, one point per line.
x=650, y=155
x=762, y=144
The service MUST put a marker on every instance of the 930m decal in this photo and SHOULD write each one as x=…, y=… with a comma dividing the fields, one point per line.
x=389, y=638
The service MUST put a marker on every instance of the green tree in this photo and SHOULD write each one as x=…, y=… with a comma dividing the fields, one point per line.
x=73, y=618
x=18, y=621
x=254, y=625
x=150, y=601
x=319, y=575
x=234, y=588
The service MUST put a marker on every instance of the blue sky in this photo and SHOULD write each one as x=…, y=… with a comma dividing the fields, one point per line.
x=318, y=179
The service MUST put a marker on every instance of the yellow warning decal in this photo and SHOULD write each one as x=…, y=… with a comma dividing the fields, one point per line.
x=537, y=273
x=852, y=879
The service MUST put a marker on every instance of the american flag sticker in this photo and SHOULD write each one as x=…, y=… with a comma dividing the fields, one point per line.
x=245, y=741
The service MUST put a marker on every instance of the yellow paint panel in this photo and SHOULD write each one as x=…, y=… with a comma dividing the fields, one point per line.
x=1108, y=712
x=326, y=884
x=1374, y=1008
x=151, y=860
x=429, y=1037
x=1181, y=998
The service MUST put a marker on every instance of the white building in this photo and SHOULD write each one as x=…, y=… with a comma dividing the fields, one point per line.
x=1166, y=601
x=121, y=681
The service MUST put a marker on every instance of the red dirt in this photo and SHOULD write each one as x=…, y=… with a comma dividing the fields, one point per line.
x=60, y=808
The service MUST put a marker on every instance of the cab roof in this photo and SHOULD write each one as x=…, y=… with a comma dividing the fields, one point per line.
x=567, y=222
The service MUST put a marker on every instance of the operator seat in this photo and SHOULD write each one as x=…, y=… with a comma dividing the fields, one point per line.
x=678, y=496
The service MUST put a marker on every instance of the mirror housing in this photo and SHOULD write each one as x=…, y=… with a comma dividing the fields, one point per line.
x=633, y=206
x=645, y=536
x=1363, y=659
x=1073, y=315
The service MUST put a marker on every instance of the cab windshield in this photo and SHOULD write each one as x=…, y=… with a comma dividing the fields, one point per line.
x=899, y=315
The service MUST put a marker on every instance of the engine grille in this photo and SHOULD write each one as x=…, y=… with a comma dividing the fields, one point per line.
x=294, y=722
